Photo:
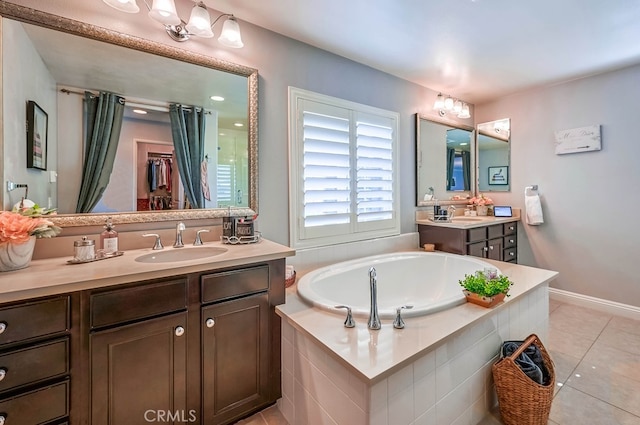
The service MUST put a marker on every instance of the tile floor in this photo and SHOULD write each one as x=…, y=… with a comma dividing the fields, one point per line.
x=597, y=362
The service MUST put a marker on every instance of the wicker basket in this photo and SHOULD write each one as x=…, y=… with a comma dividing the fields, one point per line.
x=523, y=401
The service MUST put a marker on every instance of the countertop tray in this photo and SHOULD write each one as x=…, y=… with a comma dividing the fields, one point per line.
x=99, y=256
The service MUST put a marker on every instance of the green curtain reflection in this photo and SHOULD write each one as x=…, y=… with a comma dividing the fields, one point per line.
x=102, y=118
x=466, y=169
x=187, y=129
x=451, y=156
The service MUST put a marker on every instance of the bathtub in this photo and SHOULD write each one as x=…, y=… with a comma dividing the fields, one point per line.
x=426, y=280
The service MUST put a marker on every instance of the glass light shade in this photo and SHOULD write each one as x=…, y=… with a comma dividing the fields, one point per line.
x=464, y=113
x=230, y=35
x=200, y=21
x=129, y=6
x=448, y=103
x=457, y=107
x=439, y=103
x=164, y=11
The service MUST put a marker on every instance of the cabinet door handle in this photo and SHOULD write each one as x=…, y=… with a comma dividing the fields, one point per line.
x=210, y=322
x=485, y=249
x=3, y=327
x=512, y=254
x=491, y=247
x=3, y=373
x=2, y=419
x=511, y=241
x=179, y=332
x=511, y=228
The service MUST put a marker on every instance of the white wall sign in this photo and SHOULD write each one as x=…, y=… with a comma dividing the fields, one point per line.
x=581, y=139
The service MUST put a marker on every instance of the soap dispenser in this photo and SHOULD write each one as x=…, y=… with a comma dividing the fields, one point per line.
x=109, y=238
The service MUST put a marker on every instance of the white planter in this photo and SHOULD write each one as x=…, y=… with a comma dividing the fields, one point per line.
x=16, y=256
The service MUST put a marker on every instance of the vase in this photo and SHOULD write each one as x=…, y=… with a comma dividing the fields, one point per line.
x=488, y=302
x=481, y=209
x=16, y=256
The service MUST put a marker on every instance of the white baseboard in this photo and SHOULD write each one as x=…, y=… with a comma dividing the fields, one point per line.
x=610, y=307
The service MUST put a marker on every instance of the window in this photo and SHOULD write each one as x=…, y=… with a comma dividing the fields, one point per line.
x=343, y=166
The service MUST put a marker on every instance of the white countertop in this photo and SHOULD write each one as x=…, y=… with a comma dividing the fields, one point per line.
x=374, y=355
x=466, y=222
x=54, y=276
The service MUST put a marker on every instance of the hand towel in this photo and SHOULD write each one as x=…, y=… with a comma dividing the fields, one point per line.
x=533, y=209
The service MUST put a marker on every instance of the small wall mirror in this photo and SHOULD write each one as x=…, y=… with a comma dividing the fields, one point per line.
x=494, y=165
x=445, y=160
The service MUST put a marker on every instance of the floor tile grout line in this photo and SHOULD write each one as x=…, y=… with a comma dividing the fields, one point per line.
x=604, y=401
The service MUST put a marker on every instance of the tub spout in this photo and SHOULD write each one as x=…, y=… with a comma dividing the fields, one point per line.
x=374, y=320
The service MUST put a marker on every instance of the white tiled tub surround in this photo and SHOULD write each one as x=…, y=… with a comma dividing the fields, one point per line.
x=449, y=382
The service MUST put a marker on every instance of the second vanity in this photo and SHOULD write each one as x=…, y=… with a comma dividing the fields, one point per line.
x=122, y=341
x=495, y=238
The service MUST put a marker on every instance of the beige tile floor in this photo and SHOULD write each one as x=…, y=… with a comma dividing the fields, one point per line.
x=597, y=363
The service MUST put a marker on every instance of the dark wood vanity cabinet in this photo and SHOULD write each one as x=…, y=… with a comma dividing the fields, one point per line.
x=35, y=361
x=199, y=348
x=235, y=341
x=496, y=241
x=138, y=352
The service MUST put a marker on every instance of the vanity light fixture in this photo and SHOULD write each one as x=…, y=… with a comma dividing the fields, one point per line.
x=200, y=25
x=448, y=104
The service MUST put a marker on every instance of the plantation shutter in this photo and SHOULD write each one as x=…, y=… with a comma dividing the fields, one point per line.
x=343, y=176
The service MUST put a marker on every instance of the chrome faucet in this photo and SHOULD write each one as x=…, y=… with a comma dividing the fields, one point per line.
x=179, y=228
x=451, y=212
x=374, y=320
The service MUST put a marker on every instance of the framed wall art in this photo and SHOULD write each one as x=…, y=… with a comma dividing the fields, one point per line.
x=499, y=175
x=37, y=132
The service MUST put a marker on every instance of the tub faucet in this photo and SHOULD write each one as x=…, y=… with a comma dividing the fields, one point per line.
x=374, y=320
x=179, y=228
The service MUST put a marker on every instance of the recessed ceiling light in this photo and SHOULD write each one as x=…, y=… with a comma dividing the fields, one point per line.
x=464, y=144
x=221, y=134
x=238, y=124
x=217, y=98
x=140, y=111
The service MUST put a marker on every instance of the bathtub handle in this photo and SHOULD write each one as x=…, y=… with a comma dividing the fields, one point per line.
x=348, y=322
x=398, y=323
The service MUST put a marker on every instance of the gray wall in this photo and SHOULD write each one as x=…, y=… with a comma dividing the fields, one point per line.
x=591, y=233
x=30, y=81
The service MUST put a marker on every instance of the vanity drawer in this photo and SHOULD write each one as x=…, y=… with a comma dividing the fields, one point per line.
x=510, y=228
x=510, y=254
x=34, y=320
x=510, y=241
x=224, y=285
x=34, y=364
x=477, y=234
x=140, y=302
x=495, y=231
x=37, y=407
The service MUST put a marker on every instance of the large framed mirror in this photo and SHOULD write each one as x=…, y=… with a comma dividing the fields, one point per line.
x=445, y=155
x=75, y=57
x=494, y=156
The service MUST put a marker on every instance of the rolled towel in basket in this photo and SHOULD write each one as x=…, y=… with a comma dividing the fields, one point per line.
x=530, y=361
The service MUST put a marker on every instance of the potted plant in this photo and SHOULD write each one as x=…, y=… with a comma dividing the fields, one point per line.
x=485, y=287
x=19, y=230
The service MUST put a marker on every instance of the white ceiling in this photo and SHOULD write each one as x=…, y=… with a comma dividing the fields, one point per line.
x=477, y=50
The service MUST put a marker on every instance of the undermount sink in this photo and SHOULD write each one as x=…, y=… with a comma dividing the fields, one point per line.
x=180, y=254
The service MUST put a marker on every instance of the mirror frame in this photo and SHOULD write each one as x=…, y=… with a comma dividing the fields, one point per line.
x=70, y=26
x=473, y=190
